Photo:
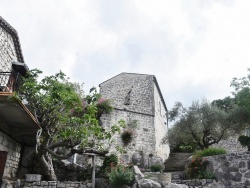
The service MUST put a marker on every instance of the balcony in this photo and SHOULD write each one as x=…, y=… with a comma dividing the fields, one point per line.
x=10, y=81
x=15, y=118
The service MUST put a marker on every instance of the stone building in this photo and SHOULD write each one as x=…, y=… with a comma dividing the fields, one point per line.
x=137, y=99
x=17, y=125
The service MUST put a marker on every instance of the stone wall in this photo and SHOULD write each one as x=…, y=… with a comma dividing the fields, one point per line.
x=13, y=148
x=143, y=142
x=232, y=170
x=136, y=90
x=7, y=52
x=231, y=145
x=46, y=184
x=160, y=124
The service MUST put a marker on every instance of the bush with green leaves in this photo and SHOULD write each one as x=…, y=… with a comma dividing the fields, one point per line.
x=111, y=160
x=197, y=168
x=245, y=141
x=120, y=176
x=210, y=152
x=208, y=175
x=69, y=121
x=156, y=168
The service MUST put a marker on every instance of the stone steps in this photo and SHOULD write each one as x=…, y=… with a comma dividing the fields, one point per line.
x=177, y=177
x=176, y=161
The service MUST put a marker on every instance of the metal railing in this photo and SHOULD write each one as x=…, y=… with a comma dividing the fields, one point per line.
x=10, y=81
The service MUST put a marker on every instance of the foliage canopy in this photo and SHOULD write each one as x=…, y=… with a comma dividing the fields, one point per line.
x=242, y=93
x=69, y=123
x=202, y=124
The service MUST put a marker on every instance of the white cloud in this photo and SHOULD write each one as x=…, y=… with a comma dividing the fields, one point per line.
x=194, y=48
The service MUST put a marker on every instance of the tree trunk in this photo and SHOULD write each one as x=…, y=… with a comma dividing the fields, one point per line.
x=47, y=167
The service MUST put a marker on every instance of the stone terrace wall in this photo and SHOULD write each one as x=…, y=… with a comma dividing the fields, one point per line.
x=13, y=148
x=232, y=169
x=46, y=184
x=57, y=184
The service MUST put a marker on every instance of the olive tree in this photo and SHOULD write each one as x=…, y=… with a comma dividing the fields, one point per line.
x=202, y=124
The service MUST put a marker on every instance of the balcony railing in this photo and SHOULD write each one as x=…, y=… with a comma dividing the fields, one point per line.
x=10, y=81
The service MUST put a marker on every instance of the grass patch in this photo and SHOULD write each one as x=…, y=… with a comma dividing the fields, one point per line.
x=210, y=152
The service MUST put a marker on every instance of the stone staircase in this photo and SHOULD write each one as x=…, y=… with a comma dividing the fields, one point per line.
x=176, y=162
x=175, y=165
x=177, y=177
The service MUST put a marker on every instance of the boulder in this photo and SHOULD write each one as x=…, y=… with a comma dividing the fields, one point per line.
x=137, y=172
x=135, y=185
x=155, y=184
x=148, y=183
x=137, y=159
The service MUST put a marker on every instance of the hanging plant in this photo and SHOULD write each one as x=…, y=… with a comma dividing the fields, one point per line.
x=103, y=107
x=127, y=136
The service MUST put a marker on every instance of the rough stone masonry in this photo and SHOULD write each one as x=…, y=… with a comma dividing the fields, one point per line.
x=137, y=98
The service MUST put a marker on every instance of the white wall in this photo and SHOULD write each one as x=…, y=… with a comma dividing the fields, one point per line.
x=162, y=150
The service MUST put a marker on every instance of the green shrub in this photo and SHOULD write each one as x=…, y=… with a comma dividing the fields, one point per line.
x=120, y=176
x=156, y=168
x=184, y=148
x=244, y=141
x=109, y=161
x=197, y=168
x=208, y=175
x=210, y=152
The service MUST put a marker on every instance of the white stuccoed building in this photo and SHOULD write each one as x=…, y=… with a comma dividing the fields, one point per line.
x=137, y=97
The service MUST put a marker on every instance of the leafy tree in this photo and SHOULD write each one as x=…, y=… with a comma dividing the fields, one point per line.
x=242, y=92
x=226, y=104
x=202, y=124
x=69, y=123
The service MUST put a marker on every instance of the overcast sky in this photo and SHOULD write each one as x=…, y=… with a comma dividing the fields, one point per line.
x=193, y=47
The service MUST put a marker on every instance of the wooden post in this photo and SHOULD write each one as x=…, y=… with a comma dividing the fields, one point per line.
x=93, y=171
